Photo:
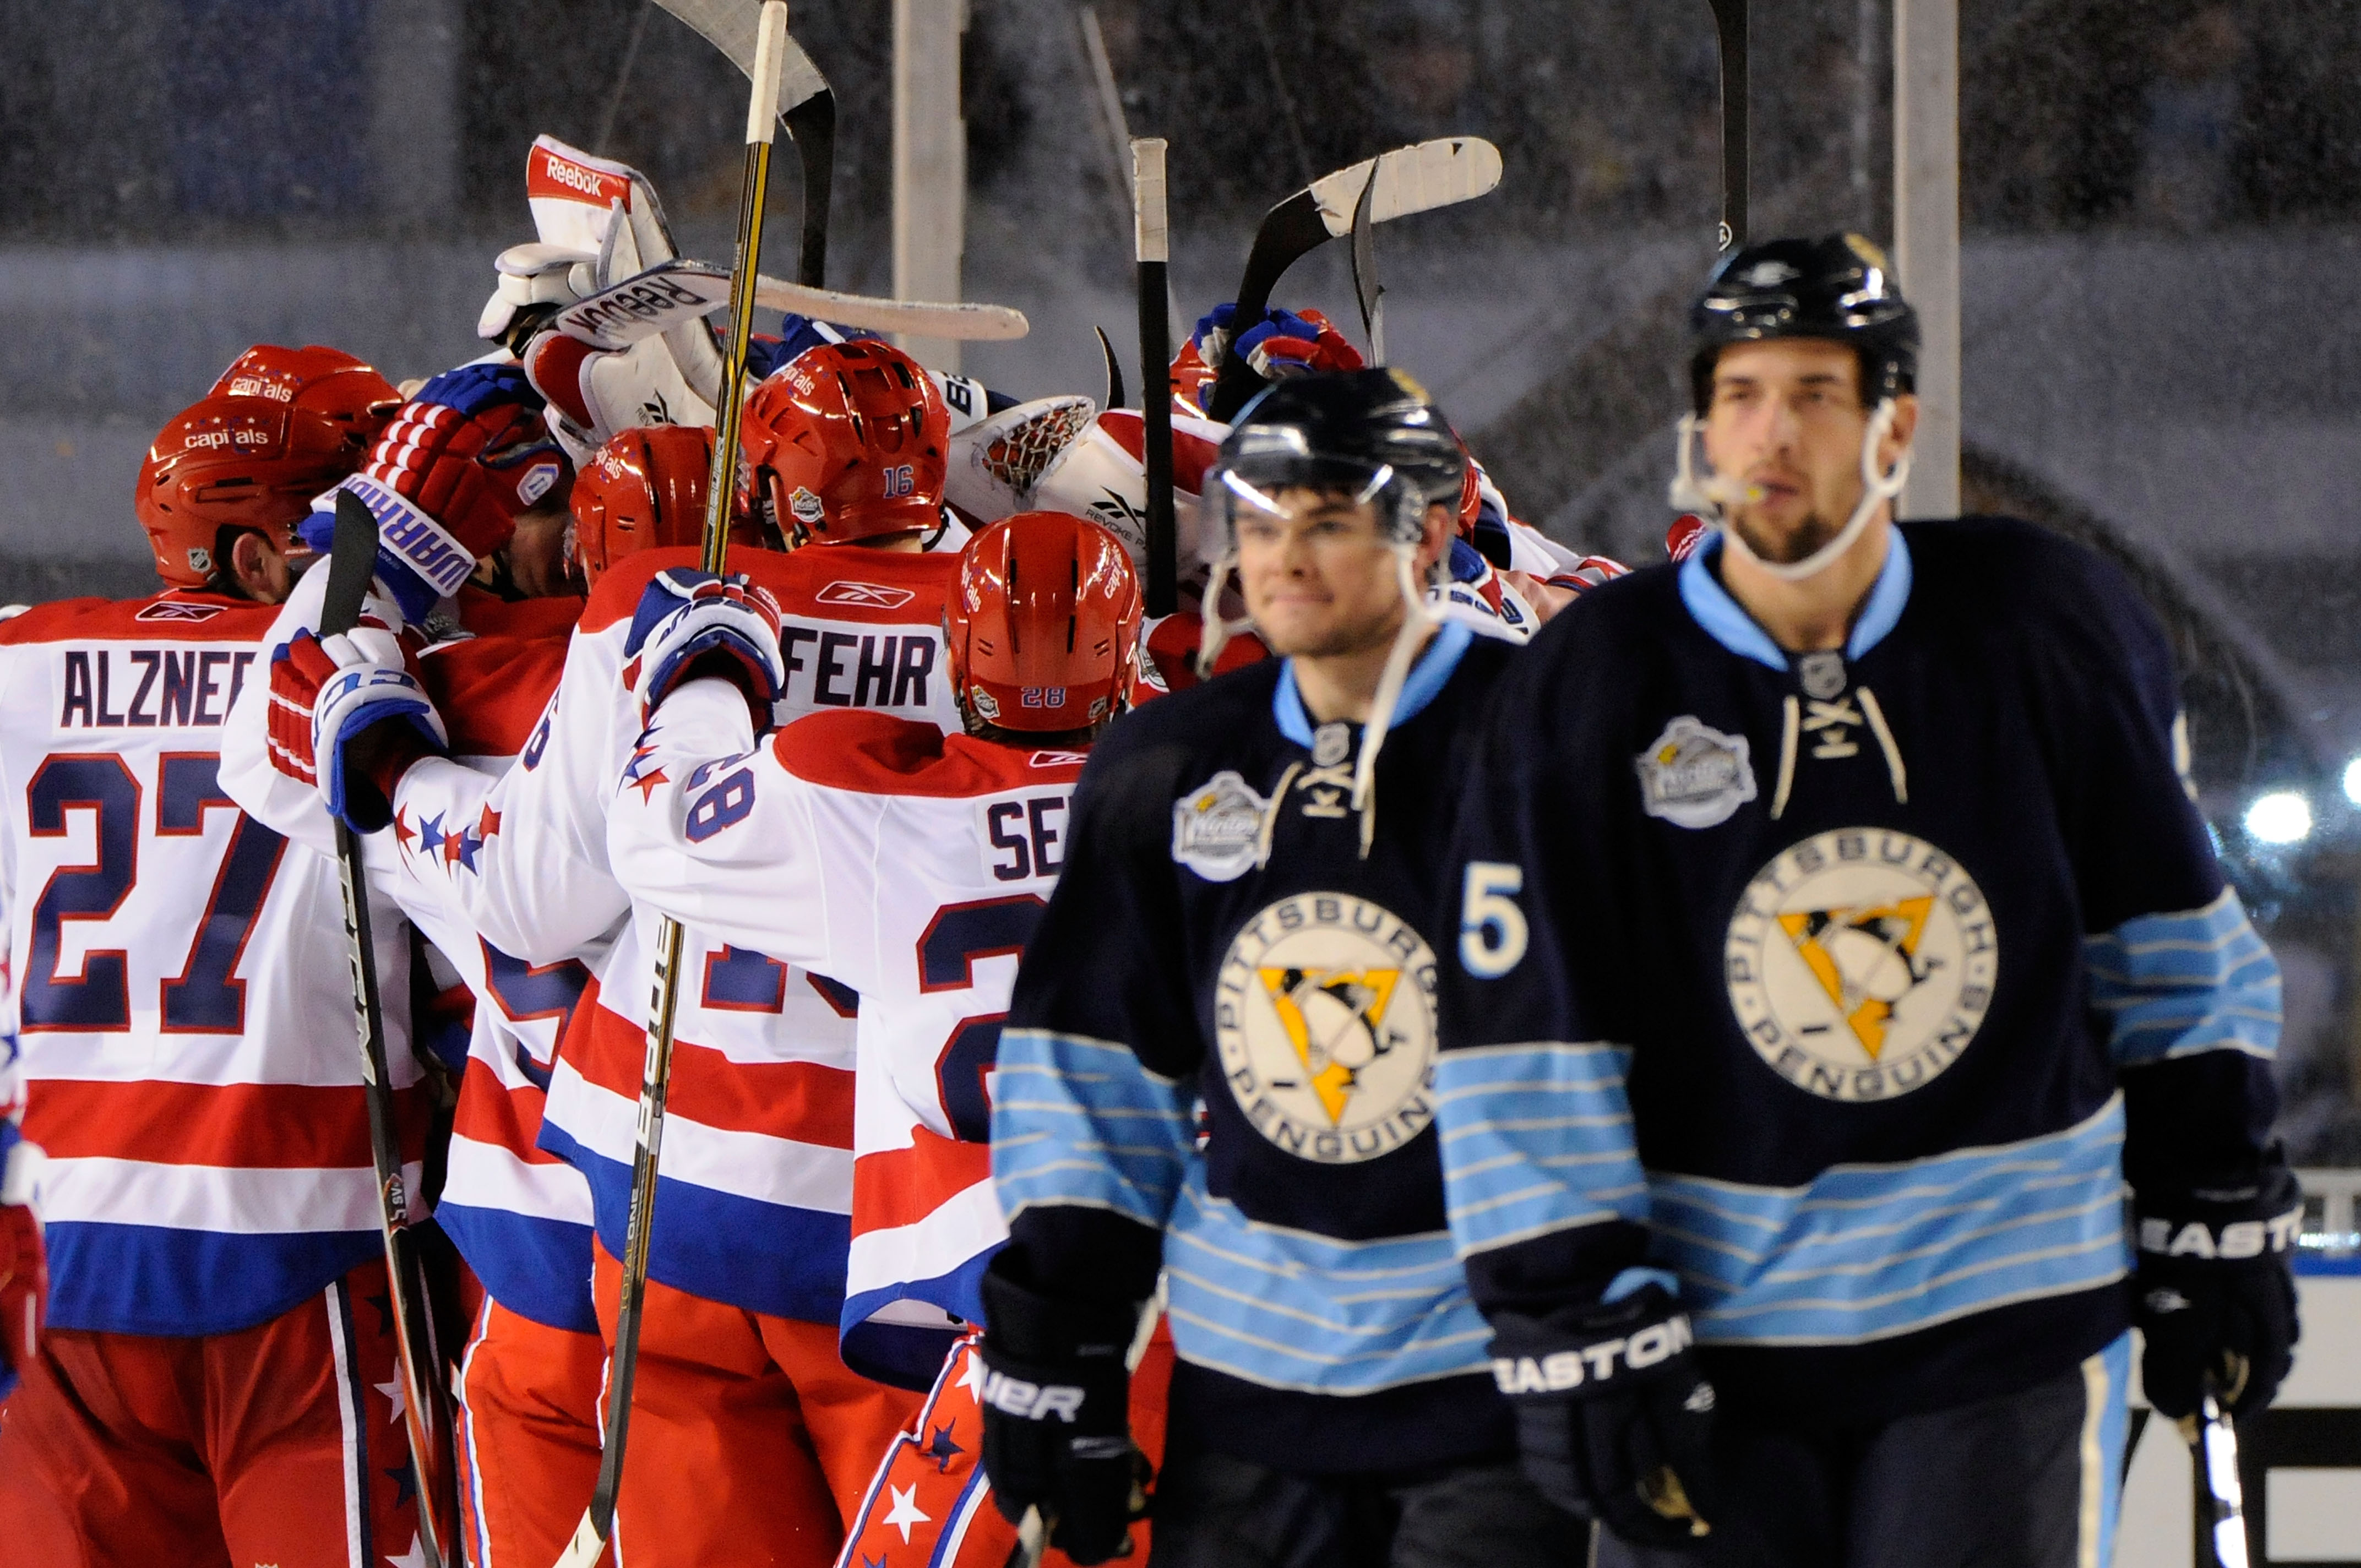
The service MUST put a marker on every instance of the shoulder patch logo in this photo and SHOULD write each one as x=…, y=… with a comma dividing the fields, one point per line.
x=1323, y=1014
x=806, y=508
x=1217, y=827
x=1693, y=775
x=867, y=595
x=1860, y=963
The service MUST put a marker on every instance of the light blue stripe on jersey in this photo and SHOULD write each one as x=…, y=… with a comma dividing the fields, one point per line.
x=1426, y=678
x=1537, y=1139
x=1727, y=622
x=1080, y=1121
x=2174, y=985
x=1290, y=1309
x=1863, y=1252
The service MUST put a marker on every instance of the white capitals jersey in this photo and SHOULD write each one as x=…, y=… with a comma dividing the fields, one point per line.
x=184, y=1004
x=518, y=1215
x=756, y=1182
x=912, y=868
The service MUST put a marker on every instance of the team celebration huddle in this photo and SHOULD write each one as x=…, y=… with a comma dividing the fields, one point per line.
x=692, y=943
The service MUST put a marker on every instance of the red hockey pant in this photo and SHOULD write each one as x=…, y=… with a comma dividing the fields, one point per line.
x=751, y=1441
x=528, y=1411
x=275, y=1445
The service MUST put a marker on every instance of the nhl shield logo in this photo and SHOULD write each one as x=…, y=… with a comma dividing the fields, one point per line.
x=1693, y=775
x=1860, y=963
x=1324, y=1018
x=1217, y=827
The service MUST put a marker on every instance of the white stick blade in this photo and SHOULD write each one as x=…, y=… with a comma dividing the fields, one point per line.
x=924, y=318
x=763, y=103
x=585, y=1548
x=1439, y=173
x=730, y=26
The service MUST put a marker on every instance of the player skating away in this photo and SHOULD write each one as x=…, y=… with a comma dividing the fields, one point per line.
x=1218, y=1049
x=910, y=867
x=217, y=1377
x=1822, y=981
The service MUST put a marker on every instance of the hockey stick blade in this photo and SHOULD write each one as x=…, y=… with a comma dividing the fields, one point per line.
x=1408, y=180
x=352, y=563
x=1729, y=26
x=1366, y=287
x=1114, y=370
x=665, y=295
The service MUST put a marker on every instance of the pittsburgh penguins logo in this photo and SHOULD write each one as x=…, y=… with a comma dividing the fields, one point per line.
x=1324, y=1018
x=1861, y=962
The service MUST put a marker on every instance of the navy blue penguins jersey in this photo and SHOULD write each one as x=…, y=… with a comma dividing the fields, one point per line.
x=1221, y=1043
x=1843, y=990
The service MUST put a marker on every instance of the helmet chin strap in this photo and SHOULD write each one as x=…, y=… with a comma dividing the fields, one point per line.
x=1710, y=495
x=1417, y=622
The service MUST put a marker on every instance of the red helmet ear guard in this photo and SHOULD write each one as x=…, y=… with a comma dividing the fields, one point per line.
x=1043, y=631
x=645, y=489
x=847, y=441
x=278, y=427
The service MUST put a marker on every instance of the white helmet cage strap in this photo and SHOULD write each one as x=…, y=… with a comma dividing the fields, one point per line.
x=1710, y=495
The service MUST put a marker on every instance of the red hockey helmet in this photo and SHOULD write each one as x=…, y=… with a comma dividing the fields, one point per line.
x=644, y=491
x=848, y=440
x=281, y=426
x=1043, y=632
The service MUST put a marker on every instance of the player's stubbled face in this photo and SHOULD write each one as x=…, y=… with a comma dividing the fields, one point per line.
x=1785, y=422
x=1318, y=577
x=537, y=555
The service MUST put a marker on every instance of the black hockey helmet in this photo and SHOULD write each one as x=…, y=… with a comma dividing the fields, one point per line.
x=1840, y=288
x=1372, y=432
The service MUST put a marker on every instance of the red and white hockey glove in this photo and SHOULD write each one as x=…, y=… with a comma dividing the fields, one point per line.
x=1280, y=344
x=448, y=477
x=694, y=623
x=24, y=1266
x=326, y=696
x=1687, y=532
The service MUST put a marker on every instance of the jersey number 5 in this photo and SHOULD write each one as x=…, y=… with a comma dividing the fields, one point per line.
x=959, y=935
x=1491, y=927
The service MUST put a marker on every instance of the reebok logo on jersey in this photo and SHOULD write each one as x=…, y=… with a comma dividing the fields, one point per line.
x=173, y=610
x=868, y=595
x=1564, y=1369
x=1032, y=1401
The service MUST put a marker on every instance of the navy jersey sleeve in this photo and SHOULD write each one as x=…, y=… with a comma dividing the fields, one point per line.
x=1091, y=1121
x=2186, y=994
x=1540, y=1176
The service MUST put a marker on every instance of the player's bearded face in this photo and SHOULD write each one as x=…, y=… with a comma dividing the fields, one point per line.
x=1319, y=578
x=1785, y=424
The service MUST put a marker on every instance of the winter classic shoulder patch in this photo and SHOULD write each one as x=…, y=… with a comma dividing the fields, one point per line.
x=1217, y=827
x=1693, y=775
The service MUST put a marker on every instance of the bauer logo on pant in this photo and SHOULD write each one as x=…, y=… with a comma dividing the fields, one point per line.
x=1861, y=962
x=1324, y=1012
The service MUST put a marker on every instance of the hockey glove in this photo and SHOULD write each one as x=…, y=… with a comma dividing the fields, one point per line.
x=2217, y=1292
x=694, y=623
x=447, y=478
x=24, y=1269
x=1281, y=344
x=1057, y=1431
x=1613, y=1416
x=326, y=698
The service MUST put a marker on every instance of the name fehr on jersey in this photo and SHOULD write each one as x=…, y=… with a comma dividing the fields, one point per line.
x=183, y=1017
x=911, y=867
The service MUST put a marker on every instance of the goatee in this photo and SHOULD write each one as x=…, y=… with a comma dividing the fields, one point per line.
x=1809, y=535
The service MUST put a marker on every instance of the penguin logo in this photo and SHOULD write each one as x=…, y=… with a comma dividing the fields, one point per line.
x=1323, y=1015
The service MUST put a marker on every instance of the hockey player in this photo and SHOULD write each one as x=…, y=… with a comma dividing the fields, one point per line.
x=1820, y=983
x=1218, y=1052
x=217, y=1376
x=910, y=868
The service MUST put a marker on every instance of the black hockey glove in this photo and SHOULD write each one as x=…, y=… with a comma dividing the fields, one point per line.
x=2217, y=1292
x=1613, y=1416
x=1057, y=1417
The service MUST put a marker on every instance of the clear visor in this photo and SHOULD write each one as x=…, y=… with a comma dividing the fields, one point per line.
x=1260, y=487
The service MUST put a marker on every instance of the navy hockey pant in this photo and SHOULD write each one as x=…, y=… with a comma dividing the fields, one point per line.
x=2027, y=1480
x=1216, y=1512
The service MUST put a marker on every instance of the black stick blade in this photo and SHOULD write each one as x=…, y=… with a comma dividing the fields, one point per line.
x=352, y=562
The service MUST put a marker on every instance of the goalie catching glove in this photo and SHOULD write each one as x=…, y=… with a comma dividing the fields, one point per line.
x=1613, y=1416
x=2217, y=1292
x=693, y=623
x=1057, y=1431
x=327, y=694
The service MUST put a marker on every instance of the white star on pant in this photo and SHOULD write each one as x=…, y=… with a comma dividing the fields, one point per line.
x=905, y=1510
x=972, y=1378
x=393, y=1391
x=413, y=1558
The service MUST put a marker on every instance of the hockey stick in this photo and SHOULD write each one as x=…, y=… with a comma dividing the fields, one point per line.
x=808, y=112
x=1114, y=370
x=1152, y=242
x=1729, y=23
x=672, y=292
x=1366, y=287
x=2220, y=1497
x=351, y=564
x=1417, y=178
x=596, y=1529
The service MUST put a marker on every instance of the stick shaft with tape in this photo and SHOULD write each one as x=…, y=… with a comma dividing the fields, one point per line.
x=1152, y=241
x=590, y=1538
